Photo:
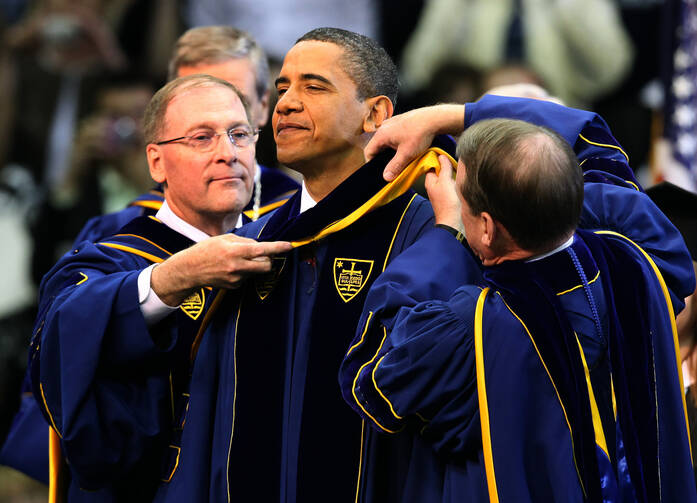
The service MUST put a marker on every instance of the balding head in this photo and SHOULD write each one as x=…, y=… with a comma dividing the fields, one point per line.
x=526, y=177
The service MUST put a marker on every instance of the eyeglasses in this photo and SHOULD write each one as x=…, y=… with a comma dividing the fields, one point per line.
x=207, y=141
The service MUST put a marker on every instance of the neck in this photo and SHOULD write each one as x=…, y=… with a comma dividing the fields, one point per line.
x=517, y=254
x=325, y=175
x=514, y=252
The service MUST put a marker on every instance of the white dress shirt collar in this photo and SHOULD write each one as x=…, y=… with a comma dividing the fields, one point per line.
x=306, y=201
x=550, y=253
x=167, y=217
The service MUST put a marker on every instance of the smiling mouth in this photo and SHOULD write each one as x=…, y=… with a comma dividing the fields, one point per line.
x=289, y=128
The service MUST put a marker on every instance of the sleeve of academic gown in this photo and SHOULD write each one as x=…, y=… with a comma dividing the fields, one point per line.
x=96, y=371
x=430, y=270
x=600, y=155
x=632, y=214
x=607, y=205
x=422, y=375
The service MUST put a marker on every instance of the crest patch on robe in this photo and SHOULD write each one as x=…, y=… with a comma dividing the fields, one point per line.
x=193, y=304
x=265, y=283
x=350, y=275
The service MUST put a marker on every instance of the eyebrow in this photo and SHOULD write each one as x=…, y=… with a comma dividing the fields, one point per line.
x=305, y=76
x=234, y=125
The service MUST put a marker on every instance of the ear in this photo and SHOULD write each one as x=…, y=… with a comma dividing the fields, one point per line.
x=488, y=229
x=156, y=163
x=380, y=109
x=263, y=110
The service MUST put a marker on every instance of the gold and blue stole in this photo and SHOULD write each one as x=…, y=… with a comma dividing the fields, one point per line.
x=151, y=200
x=291, y=331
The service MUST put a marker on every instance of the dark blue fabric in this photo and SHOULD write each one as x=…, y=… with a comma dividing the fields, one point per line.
x=114, y=389
x=108, y=224
x=275, y=186
x=271, y=364
x=527, y=290
x=420, y=380
x=26, y=445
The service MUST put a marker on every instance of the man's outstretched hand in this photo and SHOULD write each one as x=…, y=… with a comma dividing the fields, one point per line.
x=221, y=261
x=412, y=132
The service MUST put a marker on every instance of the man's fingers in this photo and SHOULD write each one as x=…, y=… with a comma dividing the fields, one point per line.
x=395, y=166
x=430, y=181
x=446, y=168
x=263, y=249
x=257, y=264
x=269, y=248
x=234, y=238
x=374, y=146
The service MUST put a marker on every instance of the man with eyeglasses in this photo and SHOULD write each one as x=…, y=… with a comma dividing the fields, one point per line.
x=235, y=56
x=111, y=354
x=267, y=422
x=231, y=55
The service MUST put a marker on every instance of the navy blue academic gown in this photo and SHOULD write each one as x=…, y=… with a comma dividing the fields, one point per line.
x=115, y=390
x=26, y=446
x=102, y=226
x=412, y=368
x=266, y=420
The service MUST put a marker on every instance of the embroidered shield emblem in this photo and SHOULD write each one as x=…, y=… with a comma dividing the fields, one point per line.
x=350, y=276
x=193, y=304
x=265, y=283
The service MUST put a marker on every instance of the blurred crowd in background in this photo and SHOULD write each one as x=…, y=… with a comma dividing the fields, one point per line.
x=75, y=78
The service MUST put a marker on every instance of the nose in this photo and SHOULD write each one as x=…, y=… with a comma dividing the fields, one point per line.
x=225, y=150
x=288, y=102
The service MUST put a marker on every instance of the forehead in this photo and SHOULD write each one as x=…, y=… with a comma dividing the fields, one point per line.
x=318, y=58
x=214, y=105
x=239, y=72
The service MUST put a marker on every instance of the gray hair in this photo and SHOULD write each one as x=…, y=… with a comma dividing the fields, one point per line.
x=155, y=112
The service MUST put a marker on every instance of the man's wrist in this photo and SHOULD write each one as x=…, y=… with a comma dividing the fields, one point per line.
x=167, y=282
x=451, y=118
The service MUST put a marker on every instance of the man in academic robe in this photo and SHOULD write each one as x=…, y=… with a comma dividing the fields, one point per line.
x=555, y=378
x=229, y=54
x=266, y=420
x=110, y=357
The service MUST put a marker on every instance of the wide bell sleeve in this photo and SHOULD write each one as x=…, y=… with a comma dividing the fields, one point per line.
x=97, y=373
x=422, y=375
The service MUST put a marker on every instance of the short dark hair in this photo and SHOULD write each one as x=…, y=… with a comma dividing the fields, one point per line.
x=156, y=111
x=526, y=177
x=365, y=62
x=217, y=44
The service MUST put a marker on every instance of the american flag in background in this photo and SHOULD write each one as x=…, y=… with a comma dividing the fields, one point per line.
x=678, y=160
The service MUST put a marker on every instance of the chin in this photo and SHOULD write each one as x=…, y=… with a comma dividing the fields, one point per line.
x=286, y=154
x=291, y=161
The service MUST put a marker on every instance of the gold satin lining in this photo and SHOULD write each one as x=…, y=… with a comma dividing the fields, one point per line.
x=390, y=192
